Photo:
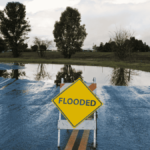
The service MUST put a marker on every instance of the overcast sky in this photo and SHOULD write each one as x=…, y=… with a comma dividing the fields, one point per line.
x=101, y=18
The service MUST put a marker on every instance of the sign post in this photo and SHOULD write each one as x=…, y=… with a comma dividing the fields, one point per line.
x=94, y=143
x=77, y=101
x=62, y=81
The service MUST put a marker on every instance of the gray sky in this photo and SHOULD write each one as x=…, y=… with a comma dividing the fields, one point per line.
x=101, y=18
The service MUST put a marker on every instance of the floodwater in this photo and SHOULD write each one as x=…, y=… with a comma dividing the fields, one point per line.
x=28, y=118
x=53, y=73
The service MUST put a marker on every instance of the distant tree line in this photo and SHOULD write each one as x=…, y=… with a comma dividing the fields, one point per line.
x=69, y=35
x=135, y=44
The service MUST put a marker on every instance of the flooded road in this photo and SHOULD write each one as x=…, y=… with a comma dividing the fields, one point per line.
x=28, y=118
x=53, y=73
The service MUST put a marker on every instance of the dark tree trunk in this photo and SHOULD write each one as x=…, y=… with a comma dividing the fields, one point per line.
x=69, y=56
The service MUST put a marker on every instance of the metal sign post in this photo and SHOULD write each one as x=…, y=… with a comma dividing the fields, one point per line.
x=62, y=81
x=84, y=100
x=94, y=143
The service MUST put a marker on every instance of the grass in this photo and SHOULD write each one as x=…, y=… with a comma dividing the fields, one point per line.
x=140, y=61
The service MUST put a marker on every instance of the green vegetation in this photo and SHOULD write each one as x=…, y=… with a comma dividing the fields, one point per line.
x=2, y=45
x=14, y=27
x=68, y=33
x=41, y=46
x=134, y=44
x=140, y=61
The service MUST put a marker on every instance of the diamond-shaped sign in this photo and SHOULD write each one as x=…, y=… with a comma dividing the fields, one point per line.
x=77, y=102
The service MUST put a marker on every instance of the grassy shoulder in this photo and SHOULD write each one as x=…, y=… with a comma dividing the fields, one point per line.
x=140, y=61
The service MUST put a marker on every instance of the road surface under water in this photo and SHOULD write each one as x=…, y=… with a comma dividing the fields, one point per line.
x=28, y=118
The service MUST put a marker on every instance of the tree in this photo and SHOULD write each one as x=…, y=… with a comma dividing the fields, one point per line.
x=68, y=33
x=22, y=47
x=42, y=46
x=37, y=41
x=146, y=48
x=95, y=48
x=100, y=49
x=112, y=46
x=13, y=25
x=122, y=49
x=133, y=43
x=106, y=47
x=34, y=48
x=2, y=45
x=47, y=43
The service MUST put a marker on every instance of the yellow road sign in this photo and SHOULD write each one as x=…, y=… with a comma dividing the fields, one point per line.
x=77, y=102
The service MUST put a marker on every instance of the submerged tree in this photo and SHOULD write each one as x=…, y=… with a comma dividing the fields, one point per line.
x=68, y=33
x=13, y=25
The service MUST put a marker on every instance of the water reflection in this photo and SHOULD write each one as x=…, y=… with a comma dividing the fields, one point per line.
x=121, y=76
x=68, y=73
x=41, y=73
x=15, y=74
x=53, y=73
x=4, y=74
